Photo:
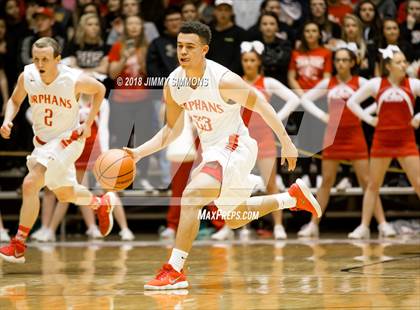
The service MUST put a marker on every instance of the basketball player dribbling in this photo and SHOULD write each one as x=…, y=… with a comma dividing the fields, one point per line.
x=229, y=153
x=53, y=89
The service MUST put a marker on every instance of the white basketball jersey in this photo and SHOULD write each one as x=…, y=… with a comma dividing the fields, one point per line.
x=55, y=108
x=213, y=118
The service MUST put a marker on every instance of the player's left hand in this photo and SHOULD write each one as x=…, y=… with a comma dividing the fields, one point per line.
x=133, y=153
x=415, y=122
x=84, y=131
x=290, y=153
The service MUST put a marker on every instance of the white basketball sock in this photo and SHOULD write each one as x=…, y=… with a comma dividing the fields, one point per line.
x=177, y=259
x=285, y=201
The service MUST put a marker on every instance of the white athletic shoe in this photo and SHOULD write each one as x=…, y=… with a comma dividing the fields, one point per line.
x=93, y=232
x=4, y=236
x=259, y=183
x=225, y=233
x=343, y=185
x=280, y=183
x=361, y=232
x=279, y=232
x=244, y=234
x=38, y=233
x=168, y=234
x=309, y=230
x=126, y=234
x=145, y=185
x=307, y=180
x=47, y=236
x=318, y=181
x=386, y=230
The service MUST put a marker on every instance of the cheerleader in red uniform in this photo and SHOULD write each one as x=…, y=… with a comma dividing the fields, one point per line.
x=258, y=129
x=394, y=134
x=344, y=138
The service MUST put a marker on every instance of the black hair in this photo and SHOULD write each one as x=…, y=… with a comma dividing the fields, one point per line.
x=264, y=4
x=272, y=14
x=198, y=28
x=171, y=10
x=383, y=43
x=376, y=23
x=304, y=47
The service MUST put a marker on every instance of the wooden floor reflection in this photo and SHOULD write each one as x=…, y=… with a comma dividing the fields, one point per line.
x=325, y=274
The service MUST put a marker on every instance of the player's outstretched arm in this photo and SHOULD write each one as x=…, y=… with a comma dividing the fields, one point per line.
x=12, y=108
x=90, y=86
x=234, y=89
x=168, y=133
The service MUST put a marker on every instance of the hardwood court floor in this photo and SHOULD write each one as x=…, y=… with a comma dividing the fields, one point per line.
x=325, y=274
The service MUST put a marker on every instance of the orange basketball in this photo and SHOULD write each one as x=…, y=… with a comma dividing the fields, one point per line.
x=115, y=170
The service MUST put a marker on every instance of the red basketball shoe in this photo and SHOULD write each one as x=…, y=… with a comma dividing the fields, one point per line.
x=167, y=279
x=14, y=252
x=104, y=213
x=304, y=198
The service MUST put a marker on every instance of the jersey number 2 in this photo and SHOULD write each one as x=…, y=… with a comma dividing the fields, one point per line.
x=48, y=117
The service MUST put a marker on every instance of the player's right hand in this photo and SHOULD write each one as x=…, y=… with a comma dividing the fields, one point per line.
x=289, y=153
x=133, y=153
x=6, y=130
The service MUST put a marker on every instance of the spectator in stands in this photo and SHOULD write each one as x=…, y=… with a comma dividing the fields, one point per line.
x=353, y=33
x=63, y=19
x=283, y=32
x=112, y=13
x=368, y=14
x=410, y=29
x=189, y=11
x=129, y=100
x=4, y=85
x=31, y=7
x=391, y=36
x=386, y=8
x=294, y=13
x=226, y=37
x=44, y=18
x=16, y=30
x=90, y=8
x=319, y=14
x=246, y=12
x=402, y=11
x=161, y=54
x=132, y=8
x=337, y=9
x=77, y=11
x=87, y=50
x=277, y=51
x=16, y=24
x=309, y=64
